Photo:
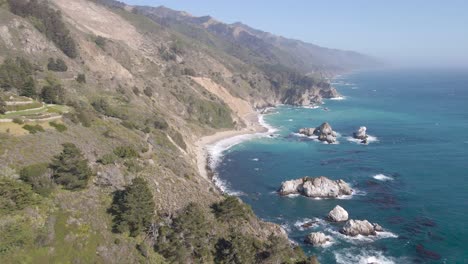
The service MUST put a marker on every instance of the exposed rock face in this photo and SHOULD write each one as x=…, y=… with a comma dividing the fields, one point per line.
x=329, y=93
x=361, y=133
x=307, y=131
x=338, y=214
x=325, y=133
x=360, y=227
x=320, y=187
x=317, y=239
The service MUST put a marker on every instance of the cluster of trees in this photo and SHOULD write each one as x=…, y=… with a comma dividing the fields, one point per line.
x=18, y=74
x=53, y=92
x=192, y=238
x=57, y=65
x=48, y=21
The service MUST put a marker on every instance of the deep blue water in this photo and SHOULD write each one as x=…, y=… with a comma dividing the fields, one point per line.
x=420, y=119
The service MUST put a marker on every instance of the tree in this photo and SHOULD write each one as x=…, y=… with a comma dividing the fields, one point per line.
x=15, y=195
x=53, y=94
x=3, y=106
x=238, y=249
x=29, y=88
x=14, y=73
x=38, y=176
x=70, y=168
x=133, y=208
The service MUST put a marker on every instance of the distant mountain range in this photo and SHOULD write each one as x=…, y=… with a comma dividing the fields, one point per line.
x=256, y=46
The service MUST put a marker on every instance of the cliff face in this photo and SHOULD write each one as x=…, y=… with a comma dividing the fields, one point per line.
x=150, y=87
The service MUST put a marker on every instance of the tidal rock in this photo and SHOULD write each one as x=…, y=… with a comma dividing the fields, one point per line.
x=361, y=133
x=317, y=239
x=360, y=227
x=325, y=133
x=338, y=214
x=319, y=187
x=307, y=131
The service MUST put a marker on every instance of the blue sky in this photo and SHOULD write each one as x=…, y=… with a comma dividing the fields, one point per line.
x=409, y=32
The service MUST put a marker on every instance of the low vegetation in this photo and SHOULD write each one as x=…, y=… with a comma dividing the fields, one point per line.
x=57, y=65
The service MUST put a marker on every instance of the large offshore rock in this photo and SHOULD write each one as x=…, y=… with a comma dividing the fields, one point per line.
x=360, y=227
x=317, y=239
x=319, y=187
x=338, y=214
x=360, y=133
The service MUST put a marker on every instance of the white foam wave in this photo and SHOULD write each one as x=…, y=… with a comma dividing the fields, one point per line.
x=382, y=177
x=370, y=139
x=362, y=257
x=224, y=187
x=339, y=98
x=359, y=239
x=215, y=151
x=310, y=106
x=316, y=222
x=255, y=159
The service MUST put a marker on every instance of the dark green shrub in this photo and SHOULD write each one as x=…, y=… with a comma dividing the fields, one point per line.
x=133, y=208
x=70, y=168
x=15, y=195
x=18, y=121
x=125, y=152
x=148, y=91
x=3, y=106
x=81, y=78
x=59, y=127
x=189, y=72
x=39, y=177
x=232, y=209
x=53, y=94
x=57, y=65
x=108, y=159
x=100, y=42
x=158, y=122
x=133, y=165
x=33, y=129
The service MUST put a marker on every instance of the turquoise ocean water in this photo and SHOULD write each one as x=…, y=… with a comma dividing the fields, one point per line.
x=413, y=180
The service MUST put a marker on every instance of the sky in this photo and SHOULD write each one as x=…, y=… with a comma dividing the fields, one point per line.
x=410, y=32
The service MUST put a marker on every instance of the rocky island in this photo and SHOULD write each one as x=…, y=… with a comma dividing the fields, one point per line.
x=360, y=227
x=319, y=187
x=324, y=132
x=361, y=134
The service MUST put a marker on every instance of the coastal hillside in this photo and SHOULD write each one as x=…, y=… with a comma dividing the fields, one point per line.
x=102, y=109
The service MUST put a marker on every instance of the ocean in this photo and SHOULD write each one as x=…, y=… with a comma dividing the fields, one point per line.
x=412, y=178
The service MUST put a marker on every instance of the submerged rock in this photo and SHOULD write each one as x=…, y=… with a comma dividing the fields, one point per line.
x=317, y=239
x=360, y=227
x=338, y=214
x=319, y=187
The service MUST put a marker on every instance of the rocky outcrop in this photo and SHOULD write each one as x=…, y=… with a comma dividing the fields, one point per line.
x=307, y=131
x=338, y=214
x=324, y=133
x=329, y=93
x=361, y=134
x=319, y=187
x=317, y=239
x=360, y=227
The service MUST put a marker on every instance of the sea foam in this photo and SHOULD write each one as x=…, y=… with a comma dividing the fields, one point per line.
x=370, y=139
x=362, y=257
x=339, y=98
x=382, y=177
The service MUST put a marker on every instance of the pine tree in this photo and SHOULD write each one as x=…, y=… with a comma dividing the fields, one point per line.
x=29, y=88
x=70, y=168
x=134, y=208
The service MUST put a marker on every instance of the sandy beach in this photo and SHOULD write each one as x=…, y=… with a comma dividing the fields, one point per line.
x=253, y=126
